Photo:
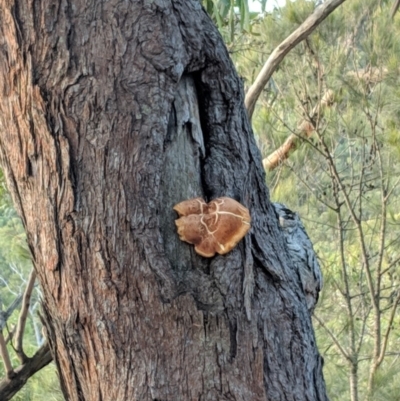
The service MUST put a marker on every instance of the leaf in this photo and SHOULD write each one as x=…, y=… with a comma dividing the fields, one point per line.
x=217, y=15
x=244, y=14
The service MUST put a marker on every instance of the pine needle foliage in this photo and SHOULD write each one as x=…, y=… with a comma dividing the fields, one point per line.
x=343, y=178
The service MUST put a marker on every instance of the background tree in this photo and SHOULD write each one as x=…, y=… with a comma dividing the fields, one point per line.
x=343, y=179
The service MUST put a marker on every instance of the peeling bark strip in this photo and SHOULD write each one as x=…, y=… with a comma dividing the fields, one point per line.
x=111, y=113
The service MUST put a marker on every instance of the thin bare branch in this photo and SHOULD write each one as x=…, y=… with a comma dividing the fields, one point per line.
x=305, y=29
x=6, y=357
x=388, y=330
x=333, y=337
x=390, y=191
x=23, y=316
x=391, y=265
x=7, y=286
x=356, y=221
x=343, y=264
x=395, y=7
x=363, y=329
x=5, y=315
x=10, y=334
x=304, y=130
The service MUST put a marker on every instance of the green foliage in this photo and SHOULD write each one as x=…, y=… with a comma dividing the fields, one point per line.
x=354, y=53
x=233, y=17
x=43, y=386
x=15, y=266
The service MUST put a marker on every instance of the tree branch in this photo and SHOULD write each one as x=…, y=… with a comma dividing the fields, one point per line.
x=10, y=334
x=391, y=265
x=3, y=342
x=395, y=7
x=305, y=29
x=23, y=316
x=10, y=386
x=306, y=128
x=388, y=329
x=6, y=357
x=5, y=315
x=333, y=337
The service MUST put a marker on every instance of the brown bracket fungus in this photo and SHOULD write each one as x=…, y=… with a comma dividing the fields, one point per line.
x=214, y=227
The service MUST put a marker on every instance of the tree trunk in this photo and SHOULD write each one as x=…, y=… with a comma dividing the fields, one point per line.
x=110, y=113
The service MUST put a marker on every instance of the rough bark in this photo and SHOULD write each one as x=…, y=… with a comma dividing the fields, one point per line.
x=111, y=112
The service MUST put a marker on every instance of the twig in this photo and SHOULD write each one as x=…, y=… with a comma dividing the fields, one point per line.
x=333, y=337
x=392, y=264
x=395, y=7
x=5, y=315
x=305, y=129
x=6, y=357
x=388, y=330
x=22, y=317
x=10, y=334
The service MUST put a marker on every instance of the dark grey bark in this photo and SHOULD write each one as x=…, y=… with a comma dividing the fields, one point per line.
x=111, y=112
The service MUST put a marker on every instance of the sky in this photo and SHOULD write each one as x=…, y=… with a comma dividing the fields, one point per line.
x=255, y=5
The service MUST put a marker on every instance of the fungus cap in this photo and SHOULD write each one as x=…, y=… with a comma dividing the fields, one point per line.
x=216, y=227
